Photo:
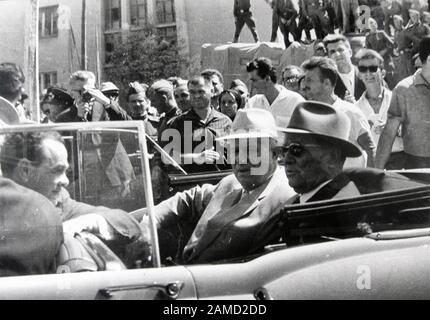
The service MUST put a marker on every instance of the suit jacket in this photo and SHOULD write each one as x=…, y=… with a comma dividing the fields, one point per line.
x=340, y=88
x=220, y=222
x=30, y=230
x=340, y=187
x=123, y=223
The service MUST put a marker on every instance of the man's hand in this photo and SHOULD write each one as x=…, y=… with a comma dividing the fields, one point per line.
x=349, y=98
x=98, y=95
x=92, y=223
x=84, y=109
x=207, y=156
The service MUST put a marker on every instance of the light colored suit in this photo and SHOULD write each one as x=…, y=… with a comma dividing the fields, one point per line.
x=222, y=222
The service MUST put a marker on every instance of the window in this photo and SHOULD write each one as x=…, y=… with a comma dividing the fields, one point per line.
x=111, y=42
x=113, y=14
x=47, y=79
x=165, y=11
x=168, y=33
x=48, y=21
x=138, y=13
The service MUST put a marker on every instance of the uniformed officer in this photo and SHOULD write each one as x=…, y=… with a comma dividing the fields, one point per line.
x=242, y=14
x=288, y=11
x=316, y=11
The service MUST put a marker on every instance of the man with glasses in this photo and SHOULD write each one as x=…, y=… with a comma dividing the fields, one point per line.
x=229, y=220
x=268, y=95
x=319, y=83
x=291, y=76
x=375, y=101
x=315, y=149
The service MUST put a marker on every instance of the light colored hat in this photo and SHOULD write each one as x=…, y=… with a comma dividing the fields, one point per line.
x=8, y=113
x=108, y=86
x=322, y=120
x=160, y=85
x=252, y=123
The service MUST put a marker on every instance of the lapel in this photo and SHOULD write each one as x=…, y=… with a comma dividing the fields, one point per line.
x=359, y=86
x=226, y=215
x=331, y=189
x=293, y=200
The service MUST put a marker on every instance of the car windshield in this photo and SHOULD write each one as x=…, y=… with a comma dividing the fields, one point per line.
x=82, y=169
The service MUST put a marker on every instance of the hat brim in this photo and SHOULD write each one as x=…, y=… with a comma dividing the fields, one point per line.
x=349, y=149
x=246, y=135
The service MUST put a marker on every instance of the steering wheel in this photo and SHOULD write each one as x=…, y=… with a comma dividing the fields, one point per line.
x=84, y=252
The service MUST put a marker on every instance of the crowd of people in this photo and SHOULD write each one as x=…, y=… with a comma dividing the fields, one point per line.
x=287, y=141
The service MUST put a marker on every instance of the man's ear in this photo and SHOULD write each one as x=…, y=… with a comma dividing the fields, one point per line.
x=23, y=170
x=383, y=73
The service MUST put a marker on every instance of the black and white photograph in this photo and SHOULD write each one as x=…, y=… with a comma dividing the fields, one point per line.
x=215, y=150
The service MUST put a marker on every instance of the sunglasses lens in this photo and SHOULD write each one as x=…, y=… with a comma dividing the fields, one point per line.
x=364, y=69
x=295, y=150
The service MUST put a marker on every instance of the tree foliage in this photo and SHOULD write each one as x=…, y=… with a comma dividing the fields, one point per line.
x=143, y=56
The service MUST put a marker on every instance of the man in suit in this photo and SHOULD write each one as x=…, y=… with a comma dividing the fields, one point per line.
x=350, y=88
x=228, y=220
x=316, y=147
x=39, y=161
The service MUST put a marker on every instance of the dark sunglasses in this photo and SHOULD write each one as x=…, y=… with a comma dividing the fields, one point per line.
x=296, y=149
x=364, y=69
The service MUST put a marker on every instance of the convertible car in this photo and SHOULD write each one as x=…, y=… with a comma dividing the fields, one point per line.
x=376, y=246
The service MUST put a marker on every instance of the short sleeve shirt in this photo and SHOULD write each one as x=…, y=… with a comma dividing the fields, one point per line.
x=364, y=105
x=198, y=135
x=359, y=126
x=411, y=105
x=281, y=109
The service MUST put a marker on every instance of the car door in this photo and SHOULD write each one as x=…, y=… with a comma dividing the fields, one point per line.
x=91, y=144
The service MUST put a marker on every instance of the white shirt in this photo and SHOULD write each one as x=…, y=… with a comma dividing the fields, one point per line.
x=305, y=197
x=349, y=80
x=380, y=118
x=359, y=126
x=281, y=109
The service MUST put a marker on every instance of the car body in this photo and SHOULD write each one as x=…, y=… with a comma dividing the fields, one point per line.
x=388, y=260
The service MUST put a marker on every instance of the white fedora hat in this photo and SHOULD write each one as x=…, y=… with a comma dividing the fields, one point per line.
x=253, y=123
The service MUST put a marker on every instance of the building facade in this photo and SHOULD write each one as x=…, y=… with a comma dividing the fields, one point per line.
x=191, y=23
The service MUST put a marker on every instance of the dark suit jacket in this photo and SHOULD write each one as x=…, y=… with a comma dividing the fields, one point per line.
x=340, y=88
x=31, y=231
x=308, y=227
x=123, y=223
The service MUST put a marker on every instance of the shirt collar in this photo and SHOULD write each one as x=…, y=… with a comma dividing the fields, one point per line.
x=308, y=195
x=194, y=116
x=420, y=80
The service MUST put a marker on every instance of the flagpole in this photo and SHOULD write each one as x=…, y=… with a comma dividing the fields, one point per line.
x=33, y=61
x=84, y=36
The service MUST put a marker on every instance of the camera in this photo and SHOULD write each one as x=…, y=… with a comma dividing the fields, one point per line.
x=87, y=97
